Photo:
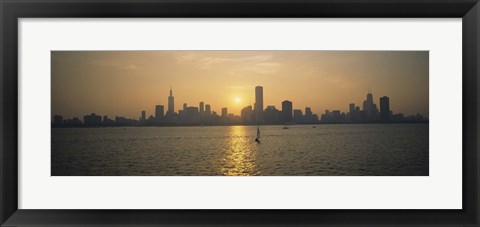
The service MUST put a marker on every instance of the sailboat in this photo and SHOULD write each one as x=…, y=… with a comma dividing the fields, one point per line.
x=258, y=135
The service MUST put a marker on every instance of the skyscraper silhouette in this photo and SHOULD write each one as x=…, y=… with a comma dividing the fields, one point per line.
x=57, y=120
x=308, y=118
x=159, y=112
x=368, y=104
x=384, y=109
x=171, y=110
x=92, y=120
x=247, y=114
x=258, y=107
x=351, y=108
x=297, y=116
x=208, y=110
x=369, y=108
x=224, y=112
x=202, y=107
x=287, y=111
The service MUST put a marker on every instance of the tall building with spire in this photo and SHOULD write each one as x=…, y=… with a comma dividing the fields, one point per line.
x=369, y=108
x=368, y=103
x=171, y=105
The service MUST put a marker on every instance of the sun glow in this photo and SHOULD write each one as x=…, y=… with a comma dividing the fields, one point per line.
x=238, y=100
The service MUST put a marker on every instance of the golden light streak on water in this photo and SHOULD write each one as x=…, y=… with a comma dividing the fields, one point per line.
x=239, y=159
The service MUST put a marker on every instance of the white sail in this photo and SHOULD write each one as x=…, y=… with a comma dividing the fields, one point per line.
x=258, y=133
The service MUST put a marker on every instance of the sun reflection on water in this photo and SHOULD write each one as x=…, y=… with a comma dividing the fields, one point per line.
x=239, y=159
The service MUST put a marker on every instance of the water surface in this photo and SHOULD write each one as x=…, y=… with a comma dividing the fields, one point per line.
x=301, y=150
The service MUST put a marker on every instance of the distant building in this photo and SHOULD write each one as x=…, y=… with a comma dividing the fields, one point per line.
x=92, y=120
x=171, y=105
x=336, y=116
x=143, y=117
x=399, y=117
x=107, y=122
x=207, y=115
x=202, y=107
x=351, y=108
x=308, y=112
x=368, y=104
x=354, y=113
x=271, y=115
x=208, y=109
x=215, y=118
x=326, y=117
x=370, y=109
x=122, y=121
x=224, y=112
x=159, y=113
x=202, y=114
x=308, y=118
x=385, y=109
x=191, y=114
x=258, y=106
x=75, y=122
x=297, y=116
x=247, y=115
x=287, y=110
x=57, y=120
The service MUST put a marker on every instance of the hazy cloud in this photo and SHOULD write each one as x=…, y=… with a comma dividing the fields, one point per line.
x=201, y=61
x=117, y=65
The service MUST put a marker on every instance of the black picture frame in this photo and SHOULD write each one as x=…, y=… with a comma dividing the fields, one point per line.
x=12, y=10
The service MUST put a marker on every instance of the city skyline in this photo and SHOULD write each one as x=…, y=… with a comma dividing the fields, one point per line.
x=75, y=100
x=369, y=112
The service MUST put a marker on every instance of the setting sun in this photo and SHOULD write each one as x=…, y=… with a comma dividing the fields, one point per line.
x=237, y=100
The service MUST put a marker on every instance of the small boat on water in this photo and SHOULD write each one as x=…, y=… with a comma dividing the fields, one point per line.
x=285, y=127
x=257, y=139
x=314, y=126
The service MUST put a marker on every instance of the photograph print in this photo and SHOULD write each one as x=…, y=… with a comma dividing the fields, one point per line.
x=240, y=113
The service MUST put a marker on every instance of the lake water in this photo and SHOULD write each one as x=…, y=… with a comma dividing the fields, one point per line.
x=301, y=150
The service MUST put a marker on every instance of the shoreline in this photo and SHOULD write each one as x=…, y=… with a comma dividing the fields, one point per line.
x=210, y=125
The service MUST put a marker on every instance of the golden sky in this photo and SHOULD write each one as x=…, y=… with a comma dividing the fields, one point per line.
x=123, y=83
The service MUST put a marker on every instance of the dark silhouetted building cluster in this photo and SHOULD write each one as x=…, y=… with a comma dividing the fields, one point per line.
x=370, y=113
x=256, y=115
